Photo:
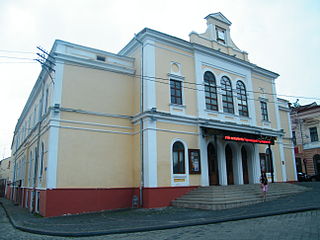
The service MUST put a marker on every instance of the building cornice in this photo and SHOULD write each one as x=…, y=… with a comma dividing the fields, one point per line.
x=148, y=33
x=208, y=123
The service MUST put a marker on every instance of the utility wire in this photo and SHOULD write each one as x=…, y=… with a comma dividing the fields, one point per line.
x=12, y=51
x=151, y=78
x=20, y=58
x=156, y=79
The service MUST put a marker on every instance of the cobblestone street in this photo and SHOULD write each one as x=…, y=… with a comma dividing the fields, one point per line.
x=304, y=225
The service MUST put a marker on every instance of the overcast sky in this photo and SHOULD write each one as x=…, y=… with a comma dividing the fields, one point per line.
x=280, y=35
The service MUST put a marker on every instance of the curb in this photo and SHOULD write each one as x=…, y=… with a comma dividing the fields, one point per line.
x=152, y=228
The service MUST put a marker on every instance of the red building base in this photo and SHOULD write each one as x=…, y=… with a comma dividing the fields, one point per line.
x=57, y=202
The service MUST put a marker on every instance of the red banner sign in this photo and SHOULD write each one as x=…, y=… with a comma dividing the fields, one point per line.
x=250, y=140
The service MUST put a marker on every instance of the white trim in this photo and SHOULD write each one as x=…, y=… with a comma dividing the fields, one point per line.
x=90, y=129
x=90, y=123
x=150, y=154
x=185, y=176
x=293, y=159
x=149, y=71
x=282, y=159
x=53, y=141
x=203, y=144
x=222, y=165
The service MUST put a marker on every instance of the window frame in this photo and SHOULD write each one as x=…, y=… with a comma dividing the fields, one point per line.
x=173, y=87
x=180, y=152
x=242, y=99
x=210, y=88
x=264, y=110
x=314, y=137
x=219, y=39
x=227, y=95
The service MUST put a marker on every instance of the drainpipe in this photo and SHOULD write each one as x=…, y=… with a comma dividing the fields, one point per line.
x=141, y=125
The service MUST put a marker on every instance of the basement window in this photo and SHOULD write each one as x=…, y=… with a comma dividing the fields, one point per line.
x=101, y=58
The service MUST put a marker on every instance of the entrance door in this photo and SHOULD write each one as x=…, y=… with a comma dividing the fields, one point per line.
x=213, y=165
x=229, y=165
x=244, y=157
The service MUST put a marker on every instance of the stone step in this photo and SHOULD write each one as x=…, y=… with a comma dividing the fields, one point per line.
x=221, y=197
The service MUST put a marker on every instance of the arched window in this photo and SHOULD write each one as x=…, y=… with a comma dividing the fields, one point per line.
x=210, y=91
x=227, y=97
x=178, y=158
x=242, y=99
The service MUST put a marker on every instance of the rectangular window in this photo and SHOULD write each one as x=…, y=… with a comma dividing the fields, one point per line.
x=313, y=134
x=211, y=97
x=221, y=35
x=176, y=92
x=264, y=111
x=101, y=58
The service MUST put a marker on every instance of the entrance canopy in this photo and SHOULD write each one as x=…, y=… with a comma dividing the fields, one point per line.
x=239, y=136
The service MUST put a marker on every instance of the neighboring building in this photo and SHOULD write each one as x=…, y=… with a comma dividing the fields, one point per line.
x=305, y=130
x=5, y=176
x=159, y=118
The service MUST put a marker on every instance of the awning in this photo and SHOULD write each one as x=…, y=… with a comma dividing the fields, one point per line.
x=239, y=136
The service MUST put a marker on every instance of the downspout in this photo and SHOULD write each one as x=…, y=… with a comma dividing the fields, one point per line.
x=141, y=124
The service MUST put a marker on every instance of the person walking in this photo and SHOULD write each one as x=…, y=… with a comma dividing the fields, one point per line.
x=264, y=185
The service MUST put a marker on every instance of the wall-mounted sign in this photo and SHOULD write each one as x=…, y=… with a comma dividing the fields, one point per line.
x=249, y=140
x=194, y=161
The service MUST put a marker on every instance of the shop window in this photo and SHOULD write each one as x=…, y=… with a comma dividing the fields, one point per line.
x=178, y=158
x=210, y=91
x=227, y=96
x=176, y=91
x=242, y=99
x=264, y=111
x=314, y=134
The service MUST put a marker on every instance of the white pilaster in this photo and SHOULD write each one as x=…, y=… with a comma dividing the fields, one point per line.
x=292, y=149
x=256, y=164
x=150, y=153
x=199, y=80
x=237, y=167
x=204, y=161
x=53, y=144
x=283, y=160
x=149, y=83
x=222, y=163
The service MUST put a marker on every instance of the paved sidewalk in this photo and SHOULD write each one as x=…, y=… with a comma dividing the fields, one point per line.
x=137, y=220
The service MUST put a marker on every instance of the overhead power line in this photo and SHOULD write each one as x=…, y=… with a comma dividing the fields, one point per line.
x=45, y=57
x=14, y=51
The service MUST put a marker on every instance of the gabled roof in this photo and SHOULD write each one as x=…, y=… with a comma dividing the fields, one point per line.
x=220, y=17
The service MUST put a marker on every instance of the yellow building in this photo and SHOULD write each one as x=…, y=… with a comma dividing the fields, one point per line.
x=164, y=115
